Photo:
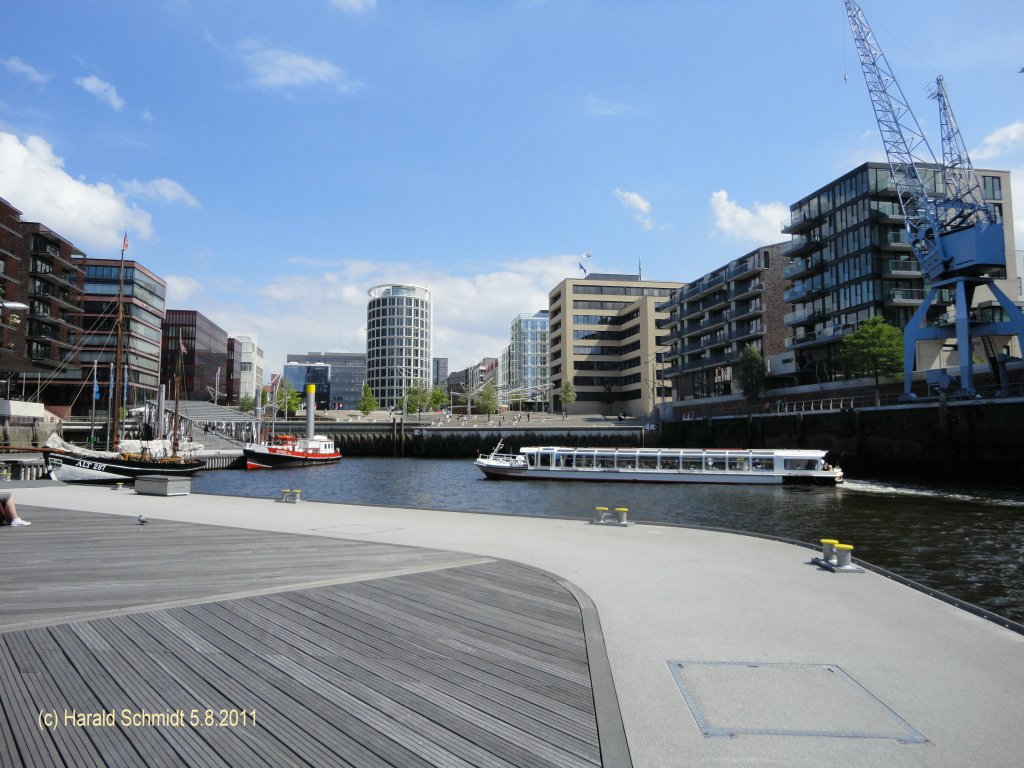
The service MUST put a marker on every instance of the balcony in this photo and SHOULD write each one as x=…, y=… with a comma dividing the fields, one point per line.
x=747, y=289
x=902, y=268
x=717, y=300
x=800, y=243
x=896, y=241
x=804, y=266
x=912, y=297
x=753, y=308
x=799, y=221
x=803, y=317
x=804, y=289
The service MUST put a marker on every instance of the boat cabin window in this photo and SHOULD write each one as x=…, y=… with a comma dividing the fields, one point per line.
x=801, y=464
x=531, y=460
x=546, y=459
x=762, y=464
x=583, y=461
x=714, y=463
x=647, y=462
x=692, y=463
x=671, y=463
x=605, y=460
x=738, y=464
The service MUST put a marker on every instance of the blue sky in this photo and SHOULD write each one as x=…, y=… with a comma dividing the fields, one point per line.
x=274, y=160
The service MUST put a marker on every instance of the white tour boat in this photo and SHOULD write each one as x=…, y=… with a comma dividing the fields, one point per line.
x=768, y=466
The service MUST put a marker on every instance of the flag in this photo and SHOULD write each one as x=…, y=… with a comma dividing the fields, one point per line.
x=583, y=269
x=124, y=243
x=110, y=386
x=95, y=384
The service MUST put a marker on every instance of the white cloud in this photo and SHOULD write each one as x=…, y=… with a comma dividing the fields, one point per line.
x=92, y=216
x=603, y=108
x=275, y=68
x=167, y=190
x=1000, y=141
x=180, y=289
x=637, y=205
x=102, y=90
x=761, y=225
x=326, y=308
x=19, y=67
x=354, y=6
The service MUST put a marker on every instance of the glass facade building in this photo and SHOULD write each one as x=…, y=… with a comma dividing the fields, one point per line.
x=347, y=372
x=205, y=353
x=398, y=341
x=525, y=374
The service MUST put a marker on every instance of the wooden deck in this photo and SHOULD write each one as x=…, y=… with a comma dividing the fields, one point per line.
x=171, y=644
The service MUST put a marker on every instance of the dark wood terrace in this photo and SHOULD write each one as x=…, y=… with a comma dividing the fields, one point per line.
x=166, y=644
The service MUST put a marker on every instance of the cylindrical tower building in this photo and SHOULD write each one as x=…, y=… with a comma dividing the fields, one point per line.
x=398, y=341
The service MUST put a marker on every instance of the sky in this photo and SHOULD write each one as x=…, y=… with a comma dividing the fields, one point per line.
x=273, y=161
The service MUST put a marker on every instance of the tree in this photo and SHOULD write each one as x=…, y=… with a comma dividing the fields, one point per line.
x=417, y=397
x=567, y=393
x=245, y=403
x=487, y=399
x=874, y=349
x=367, y=402
x=288, y=399
x=750, y=372
x=438, y=398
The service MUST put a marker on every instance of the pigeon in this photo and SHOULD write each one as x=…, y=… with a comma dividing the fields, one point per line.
x=142, y=520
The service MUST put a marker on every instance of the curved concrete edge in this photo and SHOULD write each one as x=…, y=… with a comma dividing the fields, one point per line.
x=611, y=732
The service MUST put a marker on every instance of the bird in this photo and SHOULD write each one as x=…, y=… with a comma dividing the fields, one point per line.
x=1021, y=71
x=142, y=520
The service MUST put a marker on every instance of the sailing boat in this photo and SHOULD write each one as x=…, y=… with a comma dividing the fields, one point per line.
x=129, y=459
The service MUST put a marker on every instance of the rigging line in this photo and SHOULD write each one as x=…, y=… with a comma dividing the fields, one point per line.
x=65, y=364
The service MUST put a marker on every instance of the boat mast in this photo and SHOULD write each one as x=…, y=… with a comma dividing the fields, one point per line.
x=177, y=396
x=118, y=350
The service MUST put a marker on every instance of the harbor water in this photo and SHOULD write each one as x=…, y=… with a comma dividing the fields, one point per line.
x=967, y=544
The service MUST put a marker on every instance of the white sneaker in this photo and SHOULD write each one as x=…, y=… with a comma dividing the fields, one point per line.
x=19, y=521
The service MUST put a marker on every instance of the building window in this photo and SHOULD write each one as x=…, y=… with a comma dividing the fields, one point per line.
x=992, y=187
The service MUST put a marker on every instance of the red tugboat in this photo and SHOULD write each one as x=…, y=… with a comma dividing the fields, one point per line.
x=291, y=451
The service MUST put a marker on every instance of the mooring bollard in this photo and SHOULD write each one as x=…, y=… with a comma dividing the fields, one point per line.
x=843, y=552
x=602, y=513
x=621, y=513
x=828, y=550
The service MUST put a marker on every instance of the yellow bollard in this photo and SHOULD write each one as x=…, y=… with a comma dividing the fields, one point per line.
x=828, y=550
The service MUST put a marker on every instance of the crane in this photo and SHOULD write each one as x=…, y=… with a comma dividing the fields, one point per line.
x=950, y=230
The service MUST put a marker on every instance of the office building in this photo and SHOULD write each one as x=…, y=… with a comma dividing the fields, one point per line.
x=347, y=372
x=201, y=347
x=524, y=363
x=605, y=338
x=398, y=341
x=245, y=366
x=299, y=375
x=851, y=260
x=440, y=376
x=714, y=317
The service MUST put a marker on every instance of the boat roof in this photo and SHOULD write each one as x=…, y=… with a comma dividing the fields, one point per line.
x=797, y=452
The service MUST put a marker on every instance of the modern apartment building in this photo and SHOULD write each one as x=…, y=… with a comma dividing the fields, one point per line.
x=398, y=341
x=606, y=339
x=523, y=369
x=13, y=299
x=850, y=260
x=713, y=318
x=202, y=347
x=245, y=362
x=346, y=374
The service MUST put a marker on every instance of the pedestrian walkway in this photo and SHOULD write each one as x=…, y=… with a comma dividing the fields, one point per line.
x=711, y=649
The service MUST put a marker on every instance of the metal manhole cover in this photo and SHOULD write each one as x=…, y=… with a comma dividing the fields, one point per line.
x=732, y=698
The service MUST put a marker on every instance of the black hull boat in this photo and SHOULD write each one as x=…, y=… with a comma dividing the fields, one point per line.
x=72, y=467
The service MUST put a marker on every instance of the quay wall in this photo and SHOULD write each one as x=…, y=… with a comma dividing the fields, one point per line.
x=959, y=442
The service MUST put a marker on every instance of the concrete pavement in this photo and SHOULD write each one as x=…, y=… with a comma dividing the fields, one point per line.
x=725, y=649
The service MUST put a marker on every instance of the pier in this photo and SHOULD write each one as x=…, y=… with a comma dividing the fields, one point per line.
x=386, y=636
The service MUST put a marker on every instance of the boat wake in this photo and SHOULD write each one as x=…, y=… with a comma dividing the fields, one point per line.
x=990, y=496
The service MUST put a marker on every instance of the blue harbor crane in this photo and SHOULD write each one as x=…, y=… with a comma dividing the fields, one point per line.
x=951, y=231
